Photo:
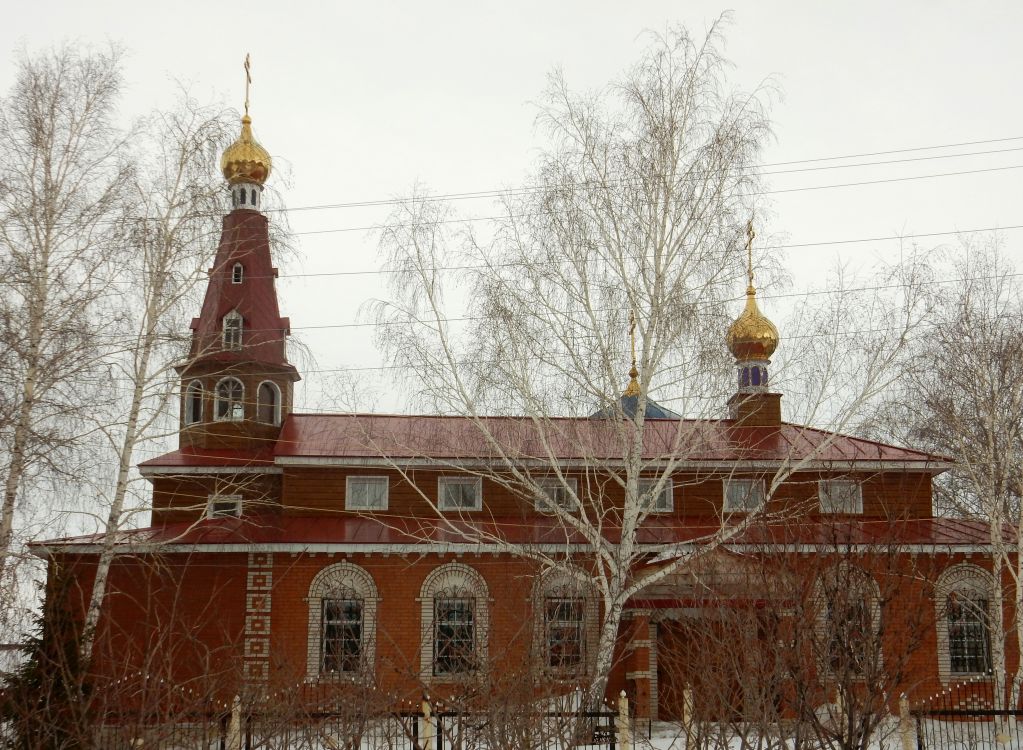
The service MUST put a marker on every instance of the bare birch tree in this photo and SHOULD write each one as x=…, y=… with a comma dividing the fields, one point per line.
x=962, y=395
x=174, y=205
x=640, y=204
x=62, y=174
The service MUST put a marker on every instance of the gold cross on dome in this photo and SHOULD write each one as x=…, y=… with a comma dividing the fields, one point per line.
x=248, y=81
x=632, y=335
x=750, y=234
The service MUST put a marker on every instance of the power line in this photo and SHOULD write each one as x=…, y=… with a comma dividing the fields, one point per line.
x=497, y=192
x=471, y=219
x=788, y=246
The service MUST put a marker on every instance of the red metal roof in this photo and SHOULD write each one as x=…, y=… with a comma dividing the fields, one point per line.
x=356, y=530
x=187, y=457
x=424, y=437
x=436, y=437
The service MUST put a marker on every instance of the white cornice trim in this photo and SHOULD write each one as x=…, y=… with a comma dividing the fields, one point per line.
x=659, y=551
x=148, y=471
x=934, y=467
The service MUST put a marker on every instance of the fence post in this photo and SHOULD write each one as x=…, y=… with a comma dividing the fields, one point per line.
x=234, y=726
x=906, y=729
x=429, y=732
x=623, y=727
x=688, y=714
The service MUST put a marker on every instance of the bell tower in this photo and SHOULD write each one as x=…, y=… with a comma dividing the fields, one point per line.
x=237, y=385
x=752, y=339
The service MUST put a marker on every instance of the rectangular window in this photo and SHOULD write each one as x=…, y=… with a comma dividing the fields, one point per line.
x=744, y=495
x=663, y=502
x=557, y=493
x=459, y=493
x=366, y=493
x=454, y=635
x=342, y=635
x=840, y=496
x=563, y=620
x=224, y=506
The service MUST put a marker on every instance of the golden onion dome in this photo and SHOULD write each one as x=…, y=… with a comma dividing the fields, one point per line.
x=245, y=160
x=752, y=335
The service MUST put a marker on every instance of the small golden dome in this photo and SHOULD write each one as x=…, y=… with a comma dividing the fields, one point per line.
x=752, y=335
x=245, y=160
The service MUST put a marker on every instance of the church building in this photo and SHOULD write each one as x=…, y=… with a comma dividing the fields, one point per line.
x=291, y=551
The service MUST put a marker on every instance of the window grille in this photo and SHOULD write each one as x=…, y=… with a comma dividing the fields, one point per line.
x=564, y=622
x=969, y=636
x=341, y=627
x=454, y=636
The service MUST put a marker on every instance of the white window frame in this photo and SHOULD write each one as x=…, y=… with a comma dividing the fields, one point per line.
x=443, y=482
x=234, y=512
x=550, y=488
x=350, y=480
x=969, y=578
x=665, y=501
x=562, y=584
x=277, y=401
x=453, y=580
x=231, y=416
x=231, y=344
x=847, y=575
x=343, y=580
x=237, y=273
x=754, y=487
x=827, y=505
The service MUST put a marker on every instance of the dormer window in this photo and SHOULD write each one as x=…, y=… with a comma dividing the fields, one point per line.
x=232, y=331
x=193, y=402
x=230, y=404
x=237, y=273
x=840, y=496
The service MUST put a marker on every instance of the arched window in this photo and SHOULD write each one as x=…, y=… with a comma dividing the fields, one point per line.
x=230, y=400
x=268, y=403
x=455, y=622
x=193, y=402
x=237, y=273
x=848, y=634
x=233, y=330
x=963, y=611
x=342, y=622
x=565, y=625
x=242, y=192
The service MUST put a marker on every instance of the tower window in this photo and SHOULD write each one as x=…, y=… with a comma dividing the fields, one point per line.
x=268, y=403
x=193, y=402
x=242, y=193
x=230, y=406
x=237, y=273
x=233, y=331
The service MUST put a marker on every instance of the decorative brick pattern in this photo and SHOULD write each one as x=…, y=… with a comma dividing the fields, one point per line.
x=258, y=601
x=653, y=671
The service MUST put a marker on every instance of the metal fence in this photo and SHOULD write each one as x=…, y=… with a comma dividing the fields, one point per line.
x=396, y=731
x=968, y=716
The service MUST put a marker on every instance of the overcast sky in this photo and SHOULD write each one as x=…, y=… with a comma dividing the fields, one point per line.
x=358, y=101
